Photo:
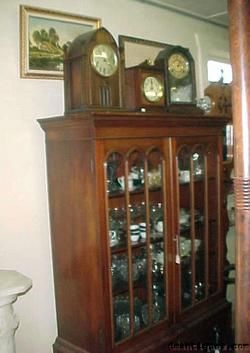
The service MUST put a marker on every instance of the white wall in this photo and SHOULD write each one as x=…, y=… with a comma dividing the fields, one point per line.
x=24, y=219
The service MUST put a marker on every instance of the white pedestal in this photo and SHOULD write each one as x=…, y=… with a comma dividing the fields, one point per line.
x=12, y=284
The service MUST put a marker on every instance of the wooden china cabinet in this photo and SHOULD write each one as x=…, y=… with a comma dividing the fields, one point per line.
x=137, y=230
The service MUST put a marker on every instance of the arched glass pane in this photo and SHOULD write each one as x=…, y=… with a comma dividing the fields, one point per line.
x=197, y=221
x=213, y=226
x=136, y=201
x=184, y=158
x=158, y=235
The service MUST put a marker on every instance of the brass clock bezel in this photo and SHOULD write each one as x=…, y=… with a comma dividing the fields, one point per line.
x=178, y=65
x=113, y=65
x=160, y=93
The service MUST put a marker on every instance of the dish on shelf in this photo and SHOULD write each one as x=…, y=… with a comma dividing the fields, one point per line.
x=156, y=236
x=114, y=242
x=119, y=270
x=121, y=305
x=186, y=246
x=154, y=178
x=184, y=176
x=135, y=238
x=184, y=216
x=123, y=325
x=156, y=313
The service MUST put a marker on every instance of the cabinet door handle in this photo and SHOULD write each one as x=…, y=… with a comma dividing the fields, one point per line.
x=177, y=250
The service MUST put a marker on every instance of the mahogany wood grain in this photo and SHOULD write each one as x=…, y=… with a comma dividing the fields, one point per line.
x=239, y=14
x=77, y=146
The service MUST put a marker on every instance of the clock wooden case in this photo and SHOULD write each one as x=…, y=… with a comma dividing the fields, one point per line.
x=179, y=72
x=92, y=72
x=144, y=87
x=220, y=99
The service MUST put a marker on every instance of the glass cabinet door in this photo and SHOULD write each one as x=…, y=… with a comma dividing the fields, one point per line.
x=198, y=222
x=136, y=214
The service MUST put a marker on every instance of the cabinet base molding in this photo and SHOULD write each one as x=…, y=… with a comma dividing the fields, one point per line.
x=63, y=346
x=196, y=330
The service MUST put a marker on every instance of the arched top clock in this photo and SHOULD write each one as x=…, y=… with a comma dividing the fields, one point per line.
x=179, y=77
x=92, y=72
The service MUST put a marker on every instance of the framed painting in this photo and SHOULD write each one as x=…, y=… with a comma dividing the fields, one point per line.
x=137, y=50
x=43, y=35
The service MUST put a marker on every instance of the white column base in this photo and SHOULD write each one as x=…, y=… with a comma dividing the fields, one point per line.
x=12, y=284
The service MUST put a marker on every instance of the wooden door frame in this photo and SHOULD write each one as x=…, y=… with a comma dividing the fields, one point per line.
x=239, y=28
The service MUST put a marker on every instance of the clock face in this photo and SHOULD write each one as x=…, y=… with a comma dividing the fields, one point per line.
x=153, y=89
x=104, y=60
x=178, y=65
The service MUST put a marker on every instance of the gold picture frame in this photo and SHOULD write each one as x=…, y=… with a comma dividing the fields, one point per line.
x=43, y=34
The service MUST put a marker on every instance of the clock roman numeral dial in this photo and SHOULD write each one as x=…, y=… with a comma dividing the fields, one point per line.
x=104, y=60
x=178, y=66
x=153, y=89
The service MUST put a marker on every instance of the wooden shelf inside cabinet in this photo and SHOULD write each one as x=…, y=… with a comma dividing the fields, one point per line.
x=196, y=180
x=119, y=193
x=187, y=228
x=122, y=247
x=123, y=289
x=119, y=248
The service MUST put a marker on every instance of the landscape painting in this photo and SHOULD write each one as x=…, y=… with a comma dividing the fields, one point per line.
x=44, y=34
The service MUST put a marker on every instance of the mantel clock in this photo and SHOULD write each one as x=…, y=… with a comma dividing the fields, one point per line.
x=92, y=70
x=220, y=99
x=179, y=72
x=144, y=87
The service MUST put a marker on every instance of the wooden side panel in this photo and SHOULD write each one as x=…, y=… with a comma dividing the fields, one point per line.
x=75, y=243
x=76, y=88
x=131, y=90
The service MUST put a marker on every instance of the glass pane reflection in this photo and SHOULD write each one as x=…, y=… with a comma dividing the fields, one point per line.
x=199, y=192
x=136, y=230
x=185, y=221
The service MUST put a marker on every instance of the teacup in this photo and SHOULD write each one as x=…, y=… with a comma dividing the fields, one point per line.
x=121, y=181
x=134, y=232
x=185, y=246
x=113, y=237
x=137, y=174
x=135, y=237
x=142, y=225
x=143, y=229
x=184, y=216
x=184, y=176
x=134, y=228
x=159, y=226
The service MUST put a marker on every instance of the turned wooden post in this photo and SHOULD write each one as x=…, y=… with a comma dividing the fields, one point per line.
x=239, y=15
